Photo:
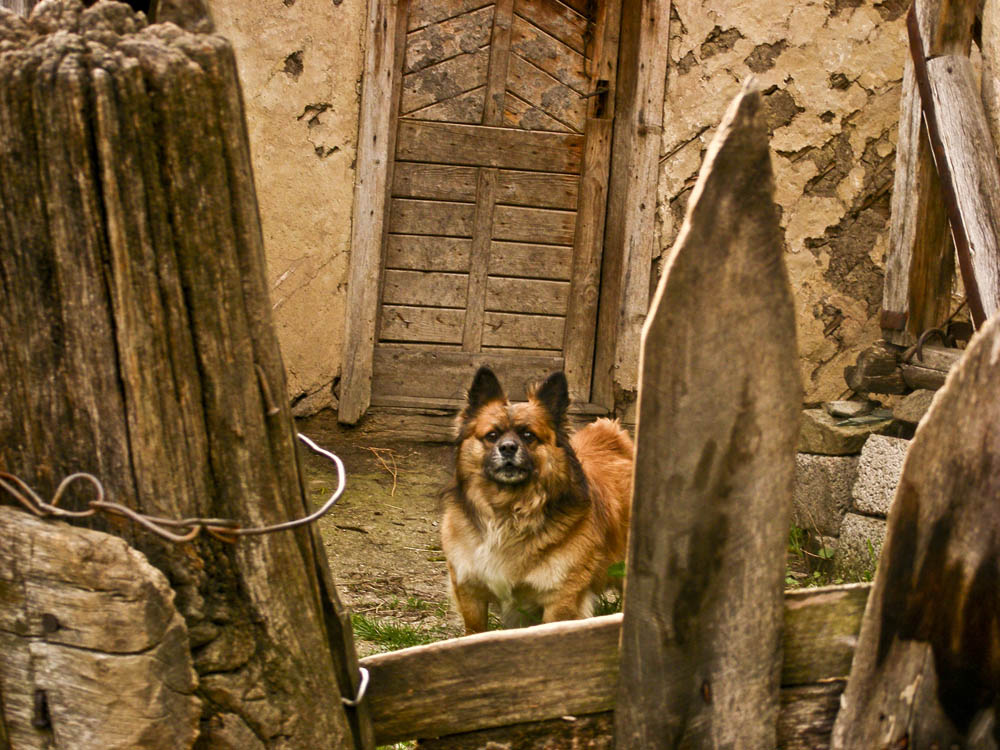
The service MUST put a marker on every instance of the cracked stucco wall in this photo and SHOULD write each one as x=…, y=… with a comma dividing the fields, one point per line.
x=300, y=68
x=830, y=71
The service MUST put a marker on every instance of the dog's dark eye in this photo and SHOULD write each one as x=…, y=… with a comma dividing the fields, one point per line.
x=491, y=436
x=528, y=436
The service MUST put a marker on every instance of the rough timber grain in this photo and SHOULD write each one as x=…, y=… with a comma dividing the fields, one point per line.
x=132, y=249
x=701, y=635
x=493, y=680
x=371, y=184
x=89, y=623
x=926, y=667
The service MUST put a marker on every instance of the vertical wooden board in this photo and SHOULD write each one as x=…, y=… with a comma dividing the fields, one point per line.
x=630, y=227
x=479, y=259
x=919, y=265
x=588, y=246
x=927, y=665
x=718, y=419
x=371, y=183
x=976, y=181
x=499, y=58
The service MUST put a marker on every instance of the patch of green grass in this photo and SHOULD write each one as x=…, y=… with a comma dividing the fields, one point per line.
x=810, y=563
x=391, y=635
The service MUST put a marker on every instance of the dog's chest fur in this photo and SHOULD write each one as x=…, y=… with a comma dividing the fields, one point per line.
x=503, y=556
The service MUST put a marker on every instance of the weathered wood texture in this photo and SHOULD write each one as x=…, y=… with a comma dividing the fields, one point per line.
x=539, y=674
x=629, y=235
x=136, y=333
x=926, y=669
x=920, y=263
x=371, y=192
x=966, y=138
x=716, y=435
x=89, y=629
x=930, y=368
x=876, y=370
x=21, y=7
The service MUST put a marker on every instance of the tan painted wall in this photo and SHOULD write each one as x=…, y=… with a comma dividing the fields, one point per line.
x=830, y=69
x=831, y=72
x=300, y=68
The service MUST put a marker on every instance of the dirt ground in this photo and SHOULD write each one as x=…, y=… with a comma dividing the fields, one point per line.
x=382, y=537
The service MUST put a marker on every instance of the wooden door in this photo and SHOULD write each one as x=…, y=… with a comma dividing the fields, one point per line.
x=497, y=195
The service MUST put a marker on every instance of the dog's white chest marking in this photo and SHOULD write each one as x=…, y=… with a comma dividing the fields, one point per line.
x=495, y=563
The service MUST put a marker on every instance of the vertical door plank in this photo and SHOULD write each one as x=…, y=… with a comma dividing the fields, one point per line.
x=482, y=233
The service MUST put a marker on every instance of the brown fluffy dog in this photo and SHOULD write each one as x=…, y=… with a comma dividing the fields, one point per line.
x=534, y=517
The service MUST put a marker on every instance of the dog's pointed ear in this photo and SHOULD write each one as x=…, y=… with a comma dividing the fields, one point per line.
x=484, y=389
x=553, y=394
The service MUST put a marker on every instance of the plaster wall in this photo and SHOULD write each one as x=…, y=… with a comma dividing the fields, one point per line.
x=831, y=72
x=300, y=68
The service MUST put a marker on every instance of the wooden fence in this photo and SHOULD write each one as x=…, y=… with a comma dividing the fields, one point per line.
x=708, y=652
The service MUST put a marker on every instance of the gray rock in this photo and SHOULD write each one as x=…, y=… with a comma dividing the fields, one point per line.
x=879, y=469
x=847, y=409
x=858, y=548
x=825, y=435
x=822, y=491
x=913, y=406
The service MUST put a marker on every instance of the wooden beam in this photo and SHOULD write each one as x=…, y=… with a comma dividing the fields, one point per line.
x=93, y=652
x=371, y=185
x=497, y=679
x=630, y=234
x=715, y=463
x=927, y=665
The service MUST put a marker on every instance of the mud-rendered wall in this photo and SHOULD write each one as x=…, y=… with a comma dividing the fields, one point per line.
x=831, y=72
x=300, y=68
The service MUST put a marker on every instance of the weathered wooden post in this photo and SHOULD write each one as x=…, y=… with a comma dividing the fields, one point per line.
x=718, y=418
x=926, y=671
x=136, y=343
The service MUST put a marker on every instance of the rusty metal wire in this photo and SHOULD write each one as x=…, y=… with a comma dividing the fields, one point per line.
x=187, y=529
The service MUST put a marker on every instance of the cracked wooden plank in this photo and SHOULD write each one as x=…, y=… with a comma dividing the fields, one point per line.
x=715, y=446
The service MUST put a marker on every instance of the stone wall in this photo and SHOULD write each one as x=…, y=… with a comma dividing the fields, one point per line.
x=831, y=72
x=830, y=69
x=300, y=68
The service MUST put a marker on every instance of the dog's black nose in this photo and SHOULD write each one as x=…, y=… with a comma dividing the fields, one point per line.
x=507, y=448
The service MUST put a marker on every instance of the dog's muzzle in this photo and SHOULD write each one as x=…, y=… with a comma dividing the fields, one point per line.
x=509, y=462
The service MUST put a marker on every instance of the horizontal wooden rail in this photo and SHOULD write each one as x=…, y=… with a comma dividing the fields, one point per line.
x=510, y=677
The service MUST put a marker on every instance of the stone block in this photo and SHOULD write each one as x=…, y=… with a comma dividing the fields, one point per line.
x=822, y=492
x=913, y=406
x=879, y=469
x=858, y=548
x=822, y=434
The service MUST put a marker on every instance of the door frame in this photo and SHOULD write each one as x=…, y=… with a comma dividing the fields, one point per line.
x=630, y=214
